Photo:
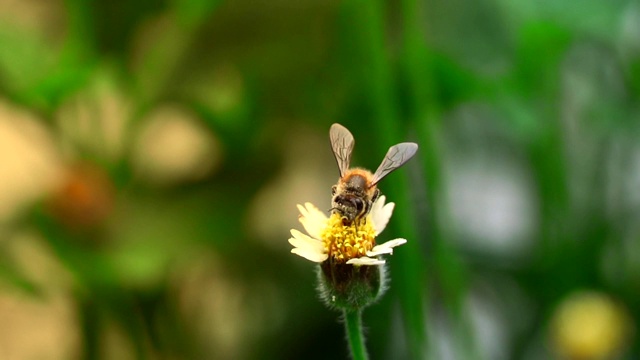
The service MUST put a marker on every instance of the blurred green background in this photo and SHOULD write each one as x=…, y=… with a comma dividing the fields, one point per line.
x=152, y=154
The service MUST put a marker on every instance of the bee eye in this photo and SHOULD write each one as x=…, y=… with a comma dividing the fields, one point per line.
x=376, y=195
x=359, y=204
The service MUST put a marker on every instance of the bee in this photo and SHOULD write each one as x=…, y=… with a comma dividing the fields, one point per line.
x=356, y=190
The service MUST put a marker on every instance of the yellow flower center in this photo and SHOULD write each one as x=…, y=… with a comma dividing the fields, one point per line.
x=347, y=242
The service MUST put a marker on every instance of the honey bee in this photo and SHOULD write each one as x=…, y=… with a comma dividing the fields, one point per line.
x=356, y=190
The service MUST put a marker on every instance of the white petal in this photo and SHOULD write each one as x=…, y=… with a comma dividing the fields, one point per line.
x=310, y=255
x=386, y=248
x=379, y=251
x=381, y=213
x=314, y=212
x=365, y=261
x=313, y=220
x=378, y=204
x=300, y=240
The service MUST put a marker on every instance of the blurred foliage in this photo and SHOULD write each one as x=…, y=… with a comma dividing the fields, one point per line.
x=153, y=153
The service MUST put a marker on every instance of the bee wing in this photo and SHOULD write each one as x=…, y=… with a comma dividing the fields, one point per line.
x=342, y=145
x=396, y=156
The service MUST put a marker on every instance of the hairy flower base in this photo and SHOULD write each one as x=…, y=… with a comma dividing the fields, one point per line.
x=346, y=242
x=350, y=287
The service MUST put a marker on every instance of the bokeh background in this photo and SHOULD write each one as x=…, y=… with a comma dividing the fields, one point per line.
x=152, y=154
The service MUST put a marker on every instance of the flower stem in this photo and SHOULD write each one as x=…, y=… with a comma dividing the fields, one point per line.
x=353, y=326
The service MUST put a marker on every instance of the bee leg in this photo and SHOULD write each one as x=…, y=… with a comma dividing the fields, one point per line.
x=333, y=190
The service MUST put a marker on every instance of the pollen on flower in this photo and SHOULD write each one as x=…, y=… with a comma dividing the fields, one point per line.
x=343, y=242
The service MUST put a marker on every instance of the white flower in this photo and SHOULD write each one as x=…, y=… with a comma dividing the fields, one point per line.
x=354, y=244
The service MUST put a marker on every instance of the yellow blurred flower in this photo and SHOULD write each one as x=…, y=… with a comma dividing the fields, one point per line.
x=589, y=325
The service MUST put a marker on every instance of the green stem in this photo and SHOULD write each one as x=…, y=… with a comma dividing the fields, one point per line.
x=353, y=326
